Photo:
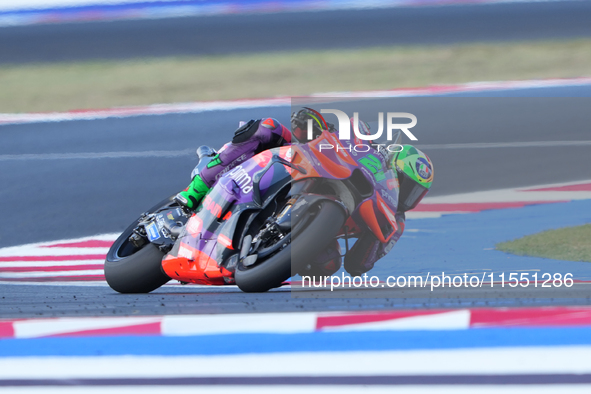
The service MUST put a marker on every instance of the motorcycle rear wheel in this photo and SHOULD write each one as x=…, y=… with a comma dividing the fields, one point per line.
x=321, y=229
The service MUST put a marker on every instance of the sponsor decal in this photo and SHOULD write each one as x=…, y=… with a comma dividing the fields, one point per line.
x=269, y=123
x=230, y=166
x=389, y=197
x=242, y=179
x=392, y=183
x=170, y=216
x=212, y=206
x=423, y=168
x=152, y=231
x=161, y=223
x=227, y=242
x=185, y=252
x=194, y=226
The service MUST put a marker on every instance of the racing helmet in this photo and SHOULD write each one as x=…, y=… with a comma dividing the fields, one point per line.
x=415, y=175
x=299, y=124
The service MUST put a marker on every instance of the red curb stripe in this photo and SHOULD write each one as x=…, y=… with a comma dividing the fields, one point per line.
x=548, y=317
x=54, y=268
x=584, y=187
x=136, y=329
x=85, y=244
x=344, y=320
x=6, y=330
x=55, y=258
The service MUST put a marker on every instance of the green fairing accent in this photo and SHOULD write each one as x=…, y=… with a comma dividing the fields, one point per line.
x=373, y=164
x=214, y=162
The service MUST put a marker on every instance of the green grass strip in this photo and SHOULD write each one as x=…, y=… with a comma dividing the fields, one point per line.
x=58, y=87
x=571, y=243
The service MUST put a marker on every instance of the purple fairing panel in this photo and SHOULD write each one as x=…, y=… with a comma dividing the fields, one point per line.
x=231, y=195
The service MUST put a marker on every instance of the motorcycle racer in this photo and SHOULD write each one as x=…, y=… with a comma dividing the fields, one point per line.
x=249, y=139
x=413, y=168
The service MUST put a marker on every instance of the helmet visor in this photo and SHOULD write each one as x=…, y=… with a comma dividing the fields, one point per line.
x=411, y=192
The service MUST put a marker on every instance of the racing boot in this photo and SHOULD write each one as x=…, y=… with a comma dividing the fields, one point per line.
x=193, y=194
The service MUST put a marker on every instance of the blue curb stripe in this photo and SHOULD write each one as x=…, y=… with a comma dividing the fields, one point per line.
x=287, y=343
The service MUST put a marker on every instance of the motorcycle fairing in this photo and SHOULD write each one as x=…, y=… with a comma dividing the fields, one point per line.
x=207, y=251
x=375, y=189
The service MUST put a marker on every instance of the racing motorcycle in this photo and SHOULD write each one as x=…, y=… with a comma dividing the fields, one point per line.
x=262, y=222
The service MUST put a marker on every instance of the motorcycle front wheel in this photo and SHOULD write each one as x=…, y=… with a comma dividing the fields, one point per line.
x=132, y=270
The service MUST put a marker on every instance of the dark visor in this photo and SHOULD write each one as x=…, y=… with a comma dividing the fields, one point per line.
x=411, y=193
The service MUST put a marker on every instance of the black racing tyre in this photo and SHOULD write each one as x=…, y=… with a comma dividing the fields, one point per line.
x=306, y=244
x=132, y=270
x=139, y=273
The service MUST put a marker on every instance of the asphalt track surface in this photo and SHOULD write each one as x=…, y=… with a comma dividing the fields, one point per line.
x=48, y=198
x=19, y=301
x=229, y=34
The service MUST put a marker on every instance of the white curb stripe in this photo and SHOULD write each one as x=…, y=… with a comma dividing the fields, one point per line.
x=100, y=155
x=278, y=323
x=42, y=328
x=48, y=274
x=455, y=320
x=66, y=263
x=531, y=360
